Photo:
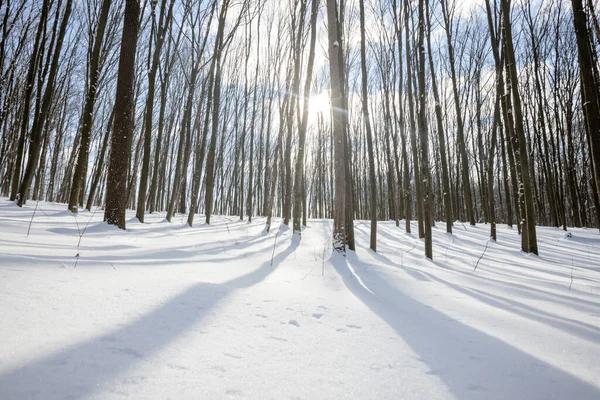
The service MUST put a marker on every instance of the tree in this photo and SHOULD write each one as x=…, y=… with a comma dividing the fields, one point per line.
x=424, y=138
x=529, y=237
x=299, y=175
x=116, y=185
x=339, y=160
x=37, y=129
x=439, y=118
x=462, y=149
x=367, y=118
x=161, y=29
x=34, y=63
x=589, y=85
x=96, y=61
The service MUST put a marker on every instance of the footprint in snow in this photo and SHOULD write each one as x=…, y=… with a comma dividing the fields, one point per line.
x=126, y=351
x=354, y=326
x=277, y=338
x=237, y=357
x=261, y=315
x=294, y=322
x=341, y=330
x=177, y=367
x=318, y=315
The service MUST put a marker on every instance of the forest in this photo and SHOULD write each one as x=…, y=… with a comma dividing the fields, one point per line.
x=441, y=111
x=299, y=199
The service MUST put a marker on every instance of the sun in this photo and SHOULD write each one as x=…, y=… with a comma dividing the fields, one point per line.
x=318, y=104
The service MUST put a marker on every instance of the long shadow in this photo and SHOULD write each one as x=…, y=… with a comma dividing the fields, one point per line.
x=567, y=325
x=537, y=293
x=472, y=364
x=102, y=361
x=153, y=256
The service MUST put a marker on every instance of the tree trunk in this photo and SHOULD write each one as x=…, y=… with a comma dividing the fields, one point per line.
x=530, y=245
x=116, y=185
x=40, y=119
x=339, y=161
x=88, y=109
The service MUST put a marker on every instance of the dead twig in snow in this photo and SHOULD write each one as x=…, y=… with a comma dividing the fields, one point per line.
x=487, y=244
x=81, y=233
x=32, y=215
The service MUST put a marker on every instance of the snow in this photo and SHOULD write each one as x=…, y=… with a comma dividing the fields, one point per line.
x=168, y=311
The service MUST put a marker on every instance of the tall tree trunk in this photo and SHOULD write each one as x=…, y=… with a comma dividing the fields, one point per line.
x=462, y=149
x=367, y=119
x=299, y=172
x=40, y=119
x=34, y=63
x=440, y=128
x=590, y=98
x=163, y=26
x=530, y=245
x=411, y=116
x=88, y=109
x=339, y=161
x=210, y=161
x=116, y=185
x=424, y=139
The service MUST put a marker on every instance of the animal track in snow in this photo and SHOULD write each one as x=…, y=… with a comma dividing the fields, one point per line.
x=318, y=315
x=294, y=322
x=236, y=356
x=277, y=338
x=233, y=392
x=126, y=351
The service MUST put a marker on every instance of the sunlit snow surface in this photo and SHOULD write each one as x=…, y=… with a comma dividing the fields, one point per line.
x=227, y=311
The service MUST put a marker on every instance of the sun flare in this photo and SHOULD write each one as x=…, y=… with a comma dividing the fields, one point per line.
x=319, y=103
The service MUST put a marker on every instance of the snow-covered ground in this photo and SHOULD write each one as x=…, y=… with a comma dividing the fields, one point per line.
x=226, y=311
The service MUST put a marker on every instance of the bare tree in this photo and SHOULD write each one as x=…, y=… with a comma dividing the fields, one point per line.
x=116, y=193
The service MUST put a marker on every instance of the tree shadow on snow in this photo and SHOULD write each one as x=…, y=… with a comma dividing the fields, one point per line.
x=471, y=363
x=102, y=363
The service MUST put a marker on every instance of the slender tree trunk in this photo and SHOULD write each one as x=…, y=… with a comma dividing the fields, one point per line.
x=210, y=162
x=462, y=150
x=590, y=99
x=34, y=63
x=40, y=119
x=529, y=246
x=88, y=109
x=339, y=161
x=299, y=172
x=163, y=26
x=367, y=119
x=411, y=116
x=441, y=134
x=424, y=139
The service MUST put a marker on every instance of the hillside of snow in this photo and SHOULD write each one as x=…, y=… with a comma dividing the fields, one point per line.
x=163, y=311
